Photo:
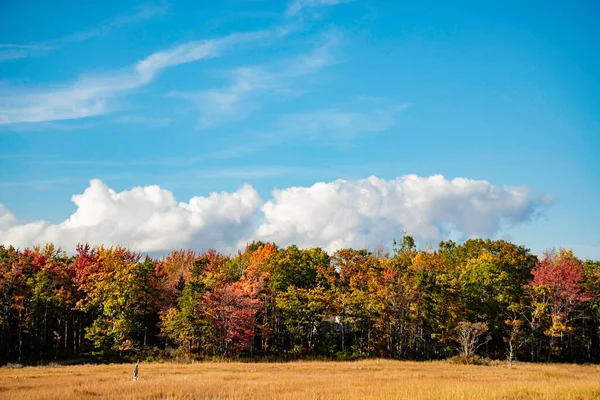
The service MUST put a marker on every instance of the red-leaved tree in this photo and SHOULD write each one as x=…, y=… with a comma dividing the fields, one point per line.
x=231, y=311
x=557, y=284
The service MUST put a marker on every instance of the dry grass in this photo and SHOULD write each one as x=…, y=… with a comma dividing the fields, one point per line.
x=303, y=380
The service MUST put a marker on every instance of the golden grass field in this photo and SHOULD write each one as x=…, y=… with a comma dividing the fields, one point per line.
x=303, y=380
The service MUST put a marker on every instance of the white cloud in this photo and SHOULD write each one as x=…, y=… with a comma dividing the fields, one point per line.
x=95, y=95
x=146, y=218
x=7, y=219
x=332, y=215
x=372, y=211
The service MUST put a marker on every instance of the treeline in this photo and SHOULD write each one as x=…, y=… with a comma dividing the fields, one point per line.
x=482, y=298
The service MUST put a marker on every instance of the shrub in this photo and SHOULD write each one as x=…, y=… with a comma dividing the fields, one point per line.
x=469, y=360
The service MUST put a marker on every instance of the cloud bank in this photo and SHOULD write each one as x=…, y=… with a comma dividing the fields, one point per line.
x=333, y=215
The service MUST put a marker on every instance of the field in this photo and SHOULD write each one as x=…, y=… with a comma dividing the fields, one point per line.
x=303, y=380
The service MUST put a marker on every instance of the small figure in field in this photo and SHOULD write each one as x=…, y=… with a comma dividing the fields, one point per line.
x=135, y=370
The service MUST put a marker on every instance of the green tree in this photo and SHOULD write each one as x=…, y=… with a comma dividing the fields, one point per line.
x=185, y=325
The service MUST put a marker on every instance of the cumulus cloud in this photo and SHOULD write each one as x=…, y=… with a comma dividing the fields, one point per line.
x=147, y=218
x=372, y=211
x=343, y=213
x=7, y=219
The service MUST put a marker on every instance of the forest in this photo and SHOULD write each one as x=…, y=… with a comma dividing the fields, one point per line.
x=483, y=299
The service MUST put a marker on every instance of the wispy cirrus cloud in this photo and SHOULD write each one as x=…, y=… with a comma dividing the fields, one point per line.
x=147, y=68
x=48, y=126
x=241, y=96
x=95, y=95
x=38, y=184
x=329, y=127
x=100, y=94
x=337, y=126
x=24, y=156
x=14, y=51
x=297, y=7
x=142, y=13
x=142, y=120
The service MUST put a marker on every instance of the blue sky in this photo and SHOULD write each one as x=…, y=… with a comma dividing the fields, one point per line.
x=205, y=97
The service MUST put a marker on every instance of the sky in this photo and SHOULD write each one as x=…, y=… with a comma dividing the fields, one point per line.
x=331, y=123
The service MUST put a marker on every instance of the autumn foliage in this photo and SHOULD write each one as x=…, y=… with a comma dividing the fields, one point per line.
x=481, y=299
